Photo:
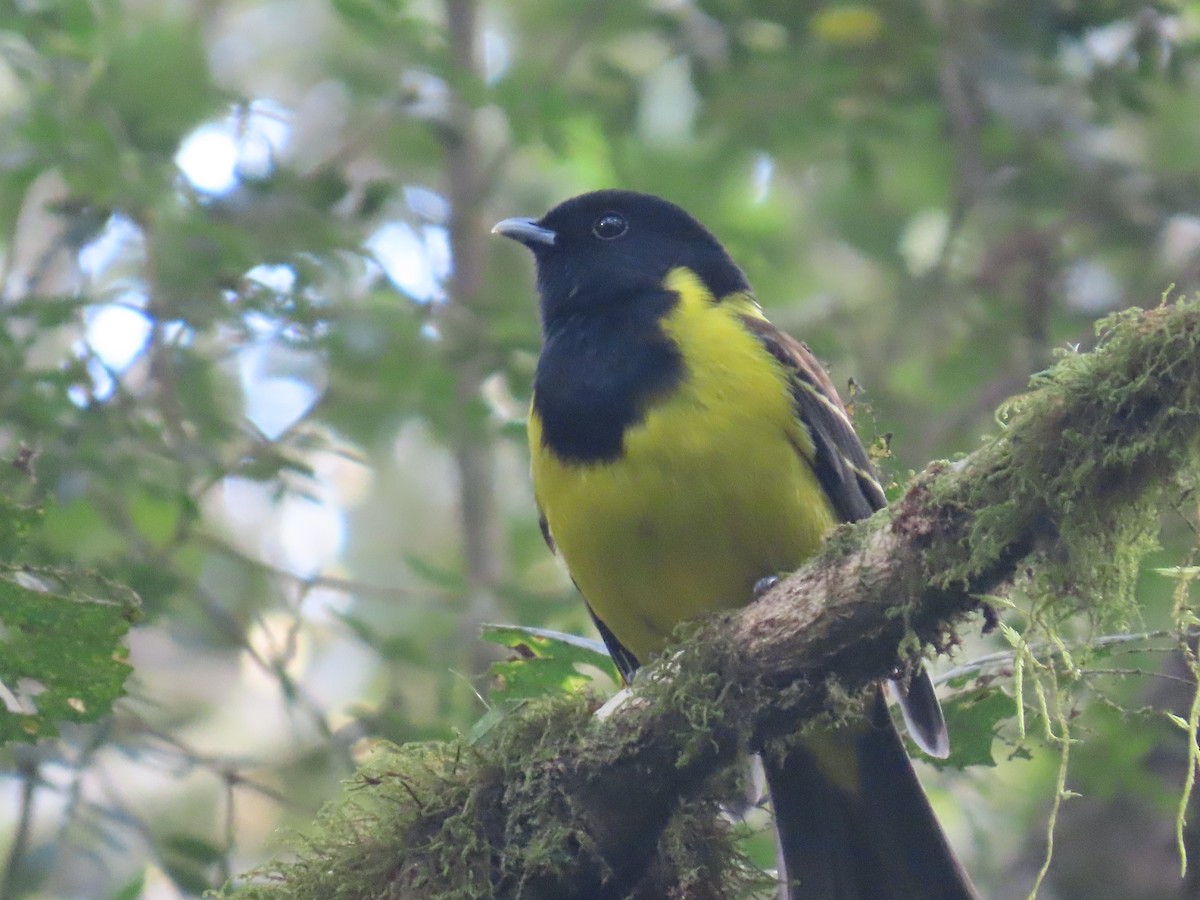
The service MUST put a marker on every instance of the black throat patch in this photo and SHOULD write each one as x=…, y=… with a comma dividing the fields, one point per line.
x=600, y=371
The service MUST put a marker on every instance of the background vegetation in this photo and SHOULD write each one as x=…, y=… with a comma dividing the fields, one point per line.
x=264, y=367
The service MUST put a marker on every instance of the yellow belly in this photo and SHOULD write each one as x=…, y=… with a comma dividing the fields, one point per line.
x=713, y=491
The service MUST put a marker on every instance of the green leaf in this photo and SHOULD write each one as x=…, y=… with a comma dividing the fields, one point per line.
x=157, y=518
x=545, y=662
x=187, y=876
x=78, y=531
x=62, y=658
x=588, y=650
x=193, y=848
x=159, y=83
x=133, y=889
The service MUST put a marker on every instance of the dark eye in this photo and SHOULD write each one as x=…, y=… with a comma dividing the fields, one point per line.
x=610, y=226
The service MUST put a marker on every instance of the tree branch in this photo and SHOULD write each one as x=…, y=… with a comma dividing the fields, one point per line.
x=1067, y=488
x=463, y=325
x=1063, y=499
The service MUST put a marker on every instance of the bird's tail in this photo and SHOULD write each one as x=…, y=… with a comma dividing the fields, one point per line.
x=853, y=822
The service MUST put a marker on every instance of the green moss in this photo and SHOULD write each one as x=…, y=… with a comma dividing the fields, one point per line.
x=455, y=822
x=1070, y=488
x=417, y=820
x=1083, y=460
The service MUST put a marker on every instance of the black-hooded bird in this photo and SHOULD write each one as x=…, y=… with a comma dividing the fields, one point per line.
x=683, y=449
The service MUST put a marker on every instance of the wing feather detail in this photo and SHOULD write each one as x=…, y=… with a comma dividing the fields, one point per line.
x=841, y=465
x=839, y=459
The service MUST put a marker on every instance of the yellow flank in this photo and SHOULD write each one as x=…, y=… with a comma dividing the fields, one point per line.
x=714, y=489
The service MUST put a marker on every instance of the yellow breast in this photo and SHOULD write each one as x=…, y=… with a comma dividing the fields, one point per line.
x=712, y=492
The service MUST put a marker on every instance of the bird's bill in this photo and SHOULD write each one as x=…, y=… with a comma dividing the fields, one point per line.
x=524, y=231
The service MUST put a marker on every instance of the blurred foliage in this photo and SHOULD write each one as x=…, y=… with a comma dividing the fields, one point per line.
x=62, y=632
x=545, y=662
x=432, y=795
x=63, y=656
x=263, y=366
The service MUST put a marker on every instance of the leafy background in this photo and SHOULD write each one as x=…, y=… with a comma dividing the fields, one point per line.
x=264, y=367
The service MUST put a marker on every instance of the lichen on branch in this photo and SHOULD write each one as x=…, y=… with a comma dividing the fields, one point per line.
x=1063, y=500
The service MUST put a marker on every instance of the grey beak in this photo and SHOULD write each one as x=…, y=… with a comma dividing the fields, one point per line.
x=524, y=231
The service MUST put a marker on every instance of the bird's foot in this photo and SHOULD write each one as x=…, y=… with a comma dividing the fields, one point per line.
x=764, y=584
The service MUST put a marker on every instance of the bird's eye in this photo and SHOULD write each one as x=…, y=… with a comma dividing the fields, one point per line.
x=610, y=226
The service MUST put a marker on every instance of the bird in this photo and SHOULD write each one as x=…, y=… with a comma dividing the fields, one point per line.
x=683, y=449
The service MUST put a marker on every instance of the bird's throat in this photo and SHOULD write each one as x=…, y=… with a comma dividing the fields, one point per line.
x=599, y=374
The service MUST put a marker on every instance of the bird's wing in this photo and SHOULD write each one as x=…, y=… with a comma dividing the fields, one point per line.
x=544, y=525
x=876, y=835
x=845, y=473
x=839, y=459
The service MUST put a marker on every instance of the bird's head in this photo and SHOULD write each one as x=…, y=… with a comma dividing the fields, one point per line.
x=614, y=247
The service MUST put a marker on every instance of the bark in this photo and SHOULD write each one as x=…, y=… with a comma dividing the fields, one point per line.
x=468, y=342
x=1071, y=480
x=555, y=803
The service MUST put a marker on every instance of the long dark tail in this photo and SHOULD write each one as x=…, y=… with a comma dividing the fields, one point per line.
x=854, y=823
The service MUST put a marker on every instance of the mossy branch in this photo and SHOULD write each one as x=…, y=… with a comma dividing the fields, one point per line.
x=560, y=805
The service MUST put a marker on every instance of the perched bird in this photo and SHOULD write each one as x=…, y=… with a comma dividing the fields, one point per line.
x=683, y=449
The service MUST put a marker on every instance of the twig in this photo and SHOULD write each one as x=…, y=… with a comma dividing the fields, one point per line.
x=331, y=582
x=1003, y=657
